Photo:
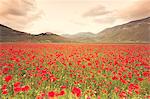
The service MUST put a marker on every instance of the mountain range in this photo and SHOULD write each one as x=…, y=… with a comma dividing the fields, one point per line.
x=134, y=31
x=8, y=34
x=137, y=31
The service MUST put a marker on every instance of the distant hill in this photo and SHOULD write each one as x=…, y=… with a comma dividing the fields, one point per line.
x=8, y=34
x=137, y=31
x=49, y=37
x=81, y=37
x=132, y=32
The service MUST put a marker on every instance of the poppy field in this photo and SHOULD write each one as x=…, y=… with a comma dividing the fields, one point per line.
x=74, y=71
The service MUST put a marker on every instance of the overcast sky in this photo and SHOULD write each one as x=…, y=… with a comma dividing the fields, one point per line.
x=70, y=16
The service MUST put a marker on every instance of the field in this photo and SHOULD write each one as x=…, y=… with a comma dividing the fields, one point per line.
x=74, y=71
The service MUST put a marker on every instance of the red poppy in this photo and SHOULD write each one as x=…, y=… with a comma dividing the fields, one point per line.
x=146, y=73
x=17, y=84
x=8, y=78
x=62, y=92
x=5, y=70
x=116, y=89
x=51, y=94
x=140, y=79
x=83, y=66
x=76, y=91
x=4, y=87
x=17, y=89
x=25, y=88
x=39, y=97
x=114, y=78
x=63, y=87
x=4, y=92
x=123, y=94
x=129, y=92
x=43, y=94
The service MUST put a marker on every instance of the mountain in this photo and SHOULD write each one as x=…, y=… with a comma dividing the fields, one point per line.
x=8, y=34
x=132, y=32
x=81, y=37
x=49, y=37
x=137, y=31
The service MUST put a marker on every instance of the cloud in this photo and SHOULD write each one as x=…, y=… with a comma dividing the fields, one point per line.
x=97, y=11
x=137, y=10
x=108, y=19
x=18, y=13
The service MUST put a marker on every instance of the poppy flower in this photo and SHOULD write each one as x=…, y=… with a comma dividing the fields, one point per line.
x=76, y=91
x=62, y=92
x=114, y=78
x=8, y=78
x=25, y=88
x=51, y=94
x=39, y=97
x=146, y=73
x=116, y=89
x=123, y=94
x=4, y=92
x=140, y=79
x=17, y=84
x=4, y=87
x=5, y=70
x=63, y=87
x=17, y=89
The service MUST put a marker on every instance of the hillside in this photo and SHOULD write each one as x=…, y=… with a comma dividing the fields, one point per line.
x=10, y=35
x=81, y=37
x=49, y=37
x=137, y=31
x=134, y=31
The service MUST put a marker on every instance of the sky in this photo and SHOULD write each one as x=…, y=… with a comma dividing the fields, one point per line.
x=70, y=16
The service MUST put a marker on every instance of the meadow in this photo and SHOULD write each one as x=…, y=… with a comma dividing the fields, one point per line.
x=74, y=71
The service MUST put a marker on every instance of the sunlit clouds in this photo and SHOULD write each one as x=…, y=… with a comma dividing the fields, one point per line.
x=18, y=13
x=70, y=16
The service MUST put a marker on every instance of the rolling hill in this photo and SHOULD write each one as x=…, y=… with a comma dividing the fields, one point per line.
x=81, y=37
x=10, y=35
x=137, y=31
x=132, y=32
